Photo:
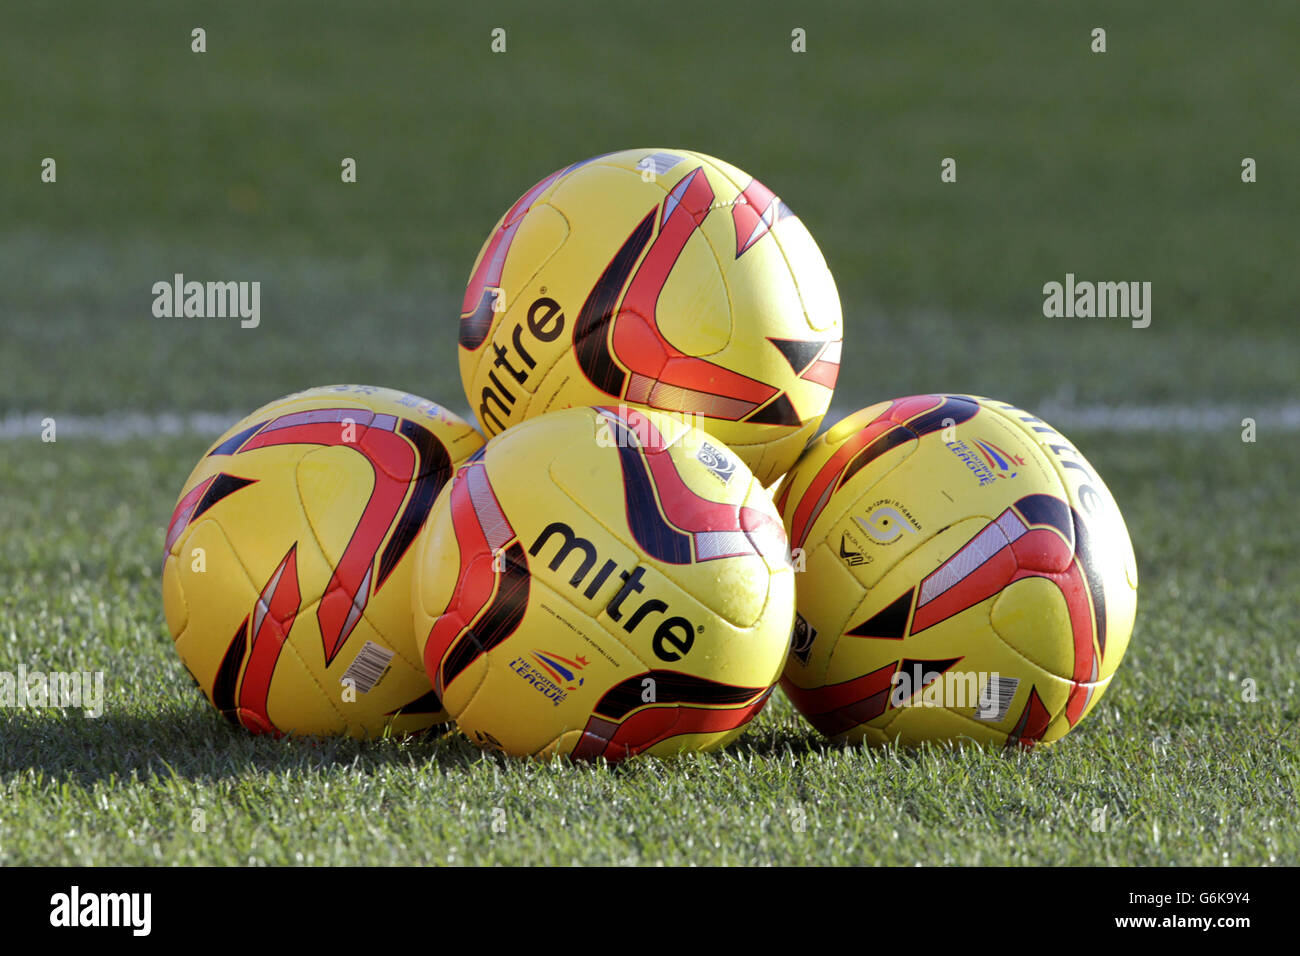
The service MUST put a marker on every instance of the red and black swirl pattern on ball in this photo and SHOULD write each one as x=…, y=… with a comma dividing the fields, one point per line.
x=410, y=466
x=434, y=470
x=671, y=522
x=906, y=419
x=492, y=585
x=1040, y=536
x=651, y=707
x=816, y=360
x=260, y=639
x=199, y=499
x=591, y=330
x=755, y=213
x=476, y=309
x=621, y=349
x=225, y=686
x=838, y=708
x=1032, y=723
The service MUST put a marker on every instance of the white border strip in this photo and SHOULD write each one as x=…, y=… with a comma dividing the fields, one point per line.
x=116, y=427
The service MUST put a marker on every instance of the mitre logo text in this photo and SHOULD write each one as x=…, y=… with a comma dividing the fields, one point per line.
x=545, y=322
x=674, y=635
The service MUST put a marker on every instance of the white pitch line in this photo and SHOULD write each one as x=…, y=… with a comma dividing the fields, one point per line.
x=1173, y=418
x=1180, y=419
x=115, y=427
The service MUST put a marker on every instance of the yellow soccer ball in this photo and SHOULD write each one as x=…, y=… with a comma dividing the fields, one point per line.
x=287, y=573
x=603, y=582
x=663, y=278
x=967, y=576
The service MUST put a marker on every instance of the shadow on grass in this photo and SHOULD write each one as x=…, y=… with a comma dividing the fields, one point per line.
x=197, y=744
x=777, y=742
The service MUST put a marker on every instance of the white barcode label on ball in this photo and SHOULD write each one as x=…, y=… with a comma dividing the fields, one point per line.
x=996, y=697
x=368, y=667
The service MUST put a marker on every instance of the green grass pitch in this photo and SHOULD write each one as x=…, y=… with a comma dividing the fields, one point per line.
x=1123, y=165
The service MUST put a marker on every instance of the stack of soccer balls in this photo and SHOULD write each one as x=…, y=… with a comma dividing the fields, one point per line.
x=650, y=340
